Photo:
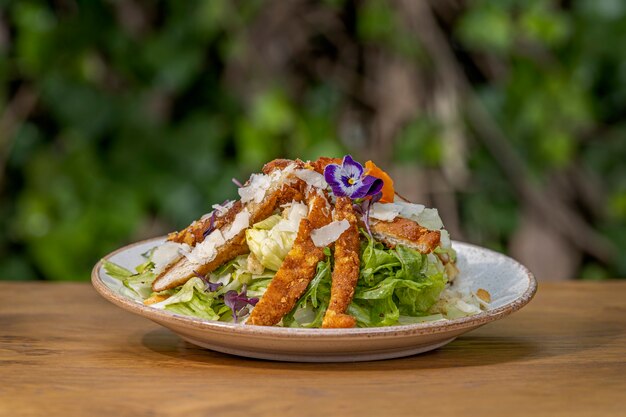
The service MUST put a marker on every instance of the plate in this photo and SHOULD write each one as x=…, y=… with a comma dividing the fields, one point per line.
x=510, y=284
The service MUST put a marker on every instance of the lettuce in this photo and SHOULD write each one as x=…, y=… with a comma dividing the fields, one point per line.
x=268, y=243
x=138, y=285
x=271, y=239
x=394, y=283
x=192, y=300
x=395, y=286
x=269, y=248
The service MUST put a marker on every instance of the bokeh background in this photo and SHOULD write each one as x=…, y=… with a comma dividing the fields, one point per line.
x=126, y=119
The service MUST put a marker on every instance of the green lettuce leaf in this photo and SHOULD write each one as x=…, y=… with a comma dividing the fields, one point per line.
x=116, y=271
x=138, y=285
x=394, y=283
x=192, y=300
x=270, y=246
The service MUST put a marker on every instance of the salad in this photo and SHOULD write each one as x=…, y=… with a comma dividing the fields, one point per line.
x=325, y=243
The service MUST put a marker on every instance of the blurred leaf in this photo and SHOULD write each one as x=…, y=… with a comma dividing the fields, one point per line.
x=488, y=27
x=420, y=141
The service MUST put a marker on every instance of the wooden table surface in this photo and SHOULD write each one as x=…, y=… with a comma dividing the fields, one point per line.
x=64, y=351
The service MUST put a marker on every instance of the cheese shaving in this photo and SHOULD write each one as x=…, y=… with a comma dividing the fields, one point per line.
x=311, y=177
x=385, y=212
x=205, y=251
x=164, y=255
x=256, y=188
x=429, y=218
x=241, y=222
x=326, y=235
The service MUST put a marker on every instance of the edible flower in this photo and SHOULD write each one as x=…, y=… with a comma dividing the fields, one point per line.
x=350, y=180
x=387, y=190
x=239, y=302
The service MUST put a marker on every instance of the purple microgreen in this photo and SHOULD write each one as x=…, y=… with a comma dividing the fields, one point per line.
x=364, y=210
x=209, y=286
x=211, y=225
x=239, y=302
x=237, y=182
x=348, y=180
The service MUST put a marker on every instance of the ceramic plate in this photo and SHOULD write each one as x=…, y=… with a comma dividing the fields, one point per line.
x=510, y=284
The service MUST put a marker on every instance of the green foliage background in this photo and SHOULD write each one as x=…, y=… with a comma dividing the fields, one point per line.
x=136, y=130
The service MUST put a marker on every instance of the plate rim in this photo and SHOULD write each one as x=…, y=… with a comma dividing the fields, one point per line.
x=428, y=328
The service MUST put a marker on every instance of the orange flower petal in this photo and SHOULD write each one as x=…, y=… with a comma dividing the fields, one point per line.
x=388, y=190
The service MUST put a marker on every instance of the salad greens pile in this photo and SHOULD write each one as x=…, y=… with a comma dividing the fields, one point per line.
x=396, y=286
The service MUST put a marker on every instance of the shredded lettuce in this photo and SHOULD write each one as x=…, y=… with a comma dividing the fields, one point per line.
x=191, y=300
x=271, y=239
x=137, y=285
x=269, y=244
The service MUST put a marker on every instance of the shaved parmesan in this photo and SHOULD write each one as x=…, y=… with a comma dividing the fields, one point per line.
x=410, y=210
x=389, y=211
x=241, y=222
x=256, y=188
x=205, y=251
x=385, y=212
x=222, y=209
x=164, y=255
x=294, y=212
x=311, y=177
x=326, y=235
x=429, y=218
x=258, y=184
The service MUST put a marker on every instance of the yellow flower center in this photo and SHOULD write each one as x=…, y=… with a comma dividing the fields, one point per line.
x=350, y=181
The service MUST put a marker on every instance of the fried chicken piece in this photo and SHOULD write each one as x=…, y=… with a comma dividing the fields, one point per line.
x=320, y=164
x=401, y=231
x=297, y=270
x=195, y=232
x=183, y=270
x=180, y=271
x=281, y=164
x=346, y=269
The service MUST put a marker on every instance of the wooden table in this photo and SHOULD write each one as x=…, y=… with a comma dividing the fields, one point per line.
x=64, y=351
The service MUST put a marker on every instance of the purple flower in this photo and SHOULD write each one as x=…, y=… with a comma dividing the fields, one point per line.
x=239, y=303
x=347, y=180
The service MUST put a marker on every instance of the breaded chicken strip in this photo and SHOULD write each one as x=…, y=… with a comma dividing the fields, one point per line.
x=346, y=268
x=320, y=164
x=197, y=230
x=401, y=231
x=180, y=271
x=297, y=270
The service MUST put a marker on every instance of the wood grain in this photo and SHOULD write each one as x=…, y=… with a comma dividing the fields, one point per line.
x=64, y=351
